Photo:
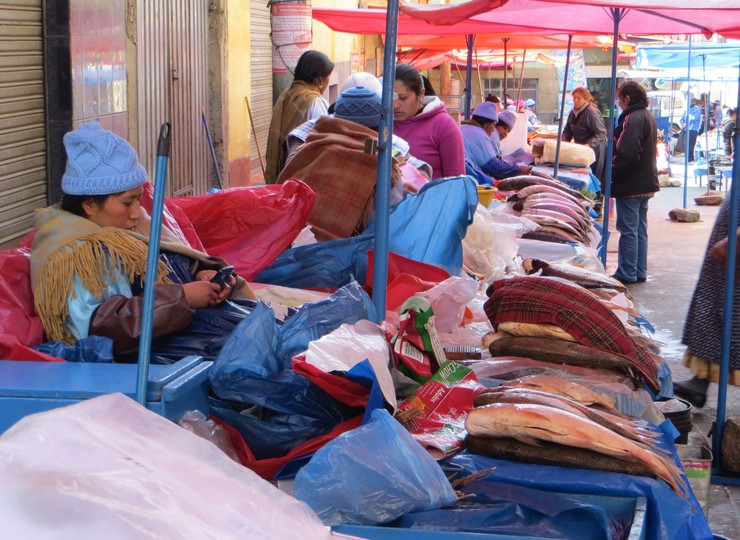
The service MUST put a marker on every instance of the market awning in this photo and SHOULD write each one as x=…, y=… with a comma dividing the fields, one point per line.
x=677, y=57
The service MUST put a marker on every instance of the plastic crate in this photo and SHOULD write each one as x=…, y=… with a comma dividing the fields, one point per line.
x=32, y=387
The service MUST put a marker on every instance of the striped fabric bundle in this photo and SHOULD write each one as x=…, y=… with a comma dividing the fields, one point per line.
x=546, y=300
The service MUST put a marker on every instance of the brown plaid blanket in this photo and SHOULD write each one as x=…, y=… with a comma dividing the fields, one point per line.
x=335, y=166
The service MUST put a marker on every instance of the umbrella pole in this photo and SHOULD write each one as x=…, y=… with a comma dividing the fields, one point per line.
x=562, y=108
x=385, y=163
x=469, y=76
x=617, y=15
x=210, y=146
x=152, y=263
x=506, y=66
x=480, y=79
x=686, y=129
x=256, y=139
x=724, y=367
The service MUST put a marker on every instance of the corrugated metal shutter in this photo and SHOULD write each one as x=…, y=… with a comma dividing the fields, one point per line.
x=172, y=87
x=260, y=99
x=22, y=133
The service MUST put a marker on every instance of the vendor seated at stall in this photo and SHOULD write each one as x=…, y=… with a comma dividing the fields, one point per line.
x=412, y=179
x=529, y=111
x=477, y=141
x=336, y=165
x=89, y=257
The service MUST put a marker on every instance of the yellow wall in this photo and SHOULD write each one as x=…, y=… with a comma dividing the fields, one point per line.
x=238, y=81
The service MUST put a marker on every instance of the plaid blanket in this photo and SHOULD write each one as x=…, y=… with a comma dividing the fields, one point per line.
x=547, y=300
x=335, y=166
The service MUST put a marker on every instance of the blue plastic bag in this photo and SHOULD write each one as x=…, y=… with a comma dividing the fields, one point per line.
x=95, y=349
x=256, y=390
x=428, y=227
x=371, y=475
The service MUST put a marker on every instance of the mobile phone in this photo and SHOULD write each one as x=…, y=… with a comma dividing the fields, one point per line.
x=222, y=275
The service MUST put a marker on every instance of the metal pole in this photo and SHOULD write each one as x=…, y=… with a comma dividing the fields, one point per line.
x=617, y=15
x=506, y=66
x=521, y=78
x=469, y=75
x=213, y=152
x=686, y=129
x=385, y=163
x=724, y=368
x=562, y=108
x=152, y=263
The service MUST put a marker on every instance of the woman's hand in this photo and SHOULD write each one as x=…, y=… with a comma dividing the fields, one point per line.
x=200, y=294
x=225, y=291
x=718, y=253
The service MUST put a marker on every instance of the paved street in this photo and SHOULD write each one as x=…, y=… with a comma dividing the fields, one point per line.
x=676, y=252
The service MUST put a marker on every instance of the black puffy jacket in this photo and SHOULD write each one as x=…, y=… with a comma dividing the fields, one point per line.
x=634, y=168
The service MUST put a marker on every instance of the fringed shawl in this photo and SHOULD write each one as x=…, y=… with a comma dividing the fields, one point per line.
x=290, y=111
x=66, y=244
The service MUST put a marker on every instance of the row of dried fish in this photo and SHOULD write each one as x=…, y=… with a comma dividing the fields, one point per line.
x=547, y=420
x=561, y=213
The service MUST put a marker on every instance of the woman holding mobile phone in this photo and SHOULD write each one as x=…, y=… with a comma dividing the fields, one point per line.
x=88, y=259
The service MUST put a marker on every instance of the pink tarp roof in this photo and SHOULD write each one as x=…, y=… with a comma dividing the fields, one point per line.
x=495, y=41
x=540, y=16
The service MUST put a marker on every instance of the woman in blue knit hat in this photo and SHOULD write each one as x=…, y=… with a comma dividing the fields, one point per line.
x=88, y=259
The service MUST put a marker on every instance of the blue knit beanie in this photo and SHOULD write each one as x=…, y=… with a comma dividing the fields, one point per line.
x=99, y=163
x=361, y=105
x=487, y=110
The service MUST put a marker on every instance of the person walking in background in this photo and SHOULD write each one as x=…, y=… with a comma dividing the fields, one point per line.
x=423, y=122
x=728, y=132
x=585, y=125
x=702, y=333
x=691, y=122
x=634, y=180
x=302, y=101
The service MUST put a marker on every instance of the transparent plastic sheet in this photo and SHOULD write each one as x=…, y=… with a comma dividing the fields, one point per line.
x=427, y=227
x=197, y=423
x=371, y=475
x=114, y=470
x=448, y=299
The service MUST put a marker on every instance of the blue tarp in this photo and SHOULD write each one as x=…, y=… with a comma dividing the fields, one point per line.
x=677, y=56
x=668, y=515
x=427, y=227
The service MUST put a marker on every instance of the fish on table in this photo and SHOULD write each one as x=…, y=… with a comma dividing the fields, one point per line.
x=531, y=424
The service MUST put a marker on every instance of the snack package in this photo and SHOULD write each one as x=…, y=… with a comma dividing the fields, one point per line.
x=435, y=414
x=416, y=347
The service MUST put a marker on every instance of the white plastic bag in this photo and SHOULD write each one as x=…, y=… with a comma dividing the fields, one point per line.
x=577, y=155
x=109, y=468
x=449, y=299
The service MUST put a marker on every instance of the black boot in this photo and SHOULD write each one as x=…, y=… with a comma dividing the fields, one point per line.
x=694, y=390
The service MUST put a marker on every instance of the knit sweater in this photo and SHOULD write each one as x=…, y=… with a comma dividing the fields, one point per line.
x=435, y=138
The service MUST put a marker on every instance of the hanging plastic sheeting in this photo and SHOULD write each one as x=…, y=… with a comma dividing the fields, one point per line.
x=426, y=227
x=19, y=323
x=249, y=227
x=112, y=469
x=372, y=475
x=273, y=408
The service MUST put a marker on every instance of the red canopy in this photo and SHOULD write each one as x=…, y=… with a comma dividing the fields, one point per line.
x=516, y=42
x=544, y=16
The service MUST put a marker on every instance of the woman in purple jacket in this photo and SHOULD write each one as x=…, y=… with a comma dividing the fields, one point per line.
x=423, y=122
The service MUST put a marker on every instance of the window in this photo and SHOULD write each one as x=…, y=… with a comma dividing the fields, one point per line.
x=496, y=86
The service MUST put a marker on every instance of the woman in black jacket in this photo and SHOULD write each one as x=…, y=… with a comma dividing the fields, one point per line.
x=634, y=180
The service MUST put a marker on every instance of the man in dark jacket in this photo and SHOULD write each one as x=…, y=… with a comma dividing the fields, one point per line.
x=634, y=180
